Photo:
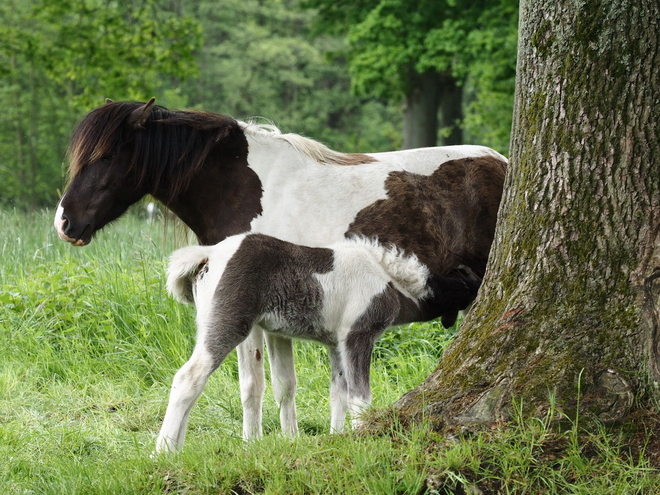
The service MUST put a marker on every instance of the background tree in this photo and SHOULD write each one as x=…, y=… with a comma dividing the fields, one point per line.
x=259, y=59
x=422, y=53
x=569, y=305
x=61, y=58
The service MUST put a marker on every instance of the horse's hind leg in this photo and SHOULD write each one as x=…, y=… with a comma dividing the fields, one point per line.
x=187, y=386
x=283, y=378
x=338, y=391
x=252, y=382
x=356, y=354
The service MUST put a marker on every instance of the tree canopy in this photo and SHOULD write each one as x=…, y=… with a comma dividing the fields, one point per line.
x=393, y=41
x=332, y=70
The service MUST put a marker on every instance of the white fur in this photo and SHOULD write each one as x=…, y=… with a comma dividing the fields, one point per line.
x=362, y=270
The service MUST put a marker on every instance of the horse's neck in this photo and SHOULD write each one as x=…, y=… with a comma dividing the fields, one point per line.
x=221, y=199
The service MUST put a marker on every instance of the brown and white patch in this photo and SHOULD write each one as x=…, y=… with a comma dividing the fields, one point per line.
x=447, y=218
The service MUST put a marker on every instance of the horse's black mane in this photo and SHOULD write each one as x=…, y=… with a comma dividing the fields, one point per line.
x=167, y=150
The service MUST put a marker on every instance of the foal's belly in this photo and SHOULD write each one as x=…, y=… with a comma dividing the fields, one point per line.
x=302, y=327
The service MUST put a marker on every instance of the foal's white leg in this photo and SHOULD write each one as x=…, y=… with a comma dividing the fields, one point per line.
x=283, y=378
x=252, y=381
x=187, y=386
x=338, y=391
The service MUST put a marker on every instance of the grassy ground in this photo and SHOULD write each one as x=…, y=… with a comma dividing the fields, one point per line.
x=89, y=342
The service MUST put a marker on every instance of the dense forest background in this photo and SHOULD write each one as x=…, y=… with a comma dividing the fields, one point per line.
x=351, y=73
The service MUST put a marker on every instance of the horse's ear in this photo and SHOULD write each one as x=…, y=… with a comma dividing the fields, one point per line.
x=108, y=100
x=140, y=115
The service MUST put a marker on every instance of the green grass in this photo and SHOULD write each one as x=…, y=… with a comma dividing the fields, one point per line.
x=89, y=343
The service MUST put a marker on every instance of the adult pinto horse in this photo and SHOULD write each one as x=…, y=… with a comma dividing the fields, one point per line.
x=223, y=177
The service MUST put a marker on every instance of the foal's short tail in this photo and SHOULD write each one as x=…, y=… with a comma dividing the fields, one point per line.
x=185, y=264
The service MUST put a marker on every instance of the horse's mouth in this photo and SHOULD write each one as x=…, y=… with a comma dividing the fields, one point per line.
x=75, y=242
x=85, y=236
x=84, y=239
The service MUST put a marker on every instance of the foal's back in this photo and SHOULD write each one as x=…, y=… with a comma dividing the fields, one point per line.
x=300, y=291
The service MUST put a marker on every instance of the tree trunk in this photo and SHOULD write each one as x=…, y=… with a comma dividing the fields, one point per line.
x=569, y=305
x=432, y=91
x=451, y=111
x=420, y=111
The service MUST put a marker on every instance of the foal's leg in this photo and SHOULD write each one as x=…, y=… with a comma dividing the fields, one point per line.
x=338, y=391
x=187, y=386
x=356, y=353
x=214, y=342
x=252, y=381
x=283, y=378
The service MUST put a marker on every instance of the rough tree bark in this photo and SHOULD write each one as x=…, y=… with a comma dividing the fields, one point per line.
x=429, y=93
x=569, y=304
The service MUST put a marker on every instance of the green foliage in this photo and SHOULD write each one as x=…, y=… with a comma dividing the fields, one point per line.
x=96, y=49
x=59, y=59
x=391, y=41
x=259, y=60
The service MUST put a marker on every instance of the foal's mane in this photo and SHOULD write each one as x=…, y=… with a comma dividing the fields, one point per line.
x=168, y=148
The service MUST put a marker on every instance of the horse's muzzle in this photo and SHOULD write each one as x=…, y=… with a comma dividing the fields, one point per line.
x=61, y=223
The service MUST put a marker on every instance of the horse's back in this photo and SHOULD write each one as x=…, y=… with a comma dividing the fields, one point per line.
x=426, y=160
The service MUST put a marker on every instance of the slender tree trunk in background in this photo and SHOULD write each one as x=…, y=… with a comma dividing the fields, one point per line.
x=451, y=110
x=420, y=111
x=570, y=300
x=432, y=91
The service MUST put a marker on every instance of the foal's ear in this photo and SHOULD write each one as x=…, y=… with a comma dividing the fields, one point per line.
x=108, y=100
x=140, y=115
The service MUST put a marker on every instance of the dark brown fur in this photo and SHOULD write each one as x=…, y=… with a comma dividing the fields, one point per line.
x=447, y=219
x=160, y=146
x=267, y=275
x=162, y=154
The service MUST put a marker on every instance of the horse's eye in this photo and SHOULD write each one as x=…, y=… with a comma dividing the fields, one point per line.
x=107, y=158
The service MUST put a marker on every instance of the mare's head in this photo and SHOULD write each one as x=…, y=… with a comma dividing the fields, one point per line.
x=102, y=182
x=121, y=151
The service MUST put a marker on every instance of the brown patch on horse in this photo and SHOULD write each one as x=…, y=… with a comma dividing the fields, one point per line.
x=447, y=218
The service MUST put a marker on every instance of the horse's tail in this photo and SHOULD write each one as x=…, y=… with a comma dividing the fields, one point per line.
x=185, y=264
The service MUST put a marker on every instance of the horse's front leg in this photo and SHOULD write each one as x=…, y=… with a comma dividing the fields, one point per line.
x=252, y=381
x=283, y=378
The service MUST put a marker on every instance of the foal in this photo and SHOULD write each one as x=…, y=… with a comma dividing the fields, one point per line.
x=343, y=296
